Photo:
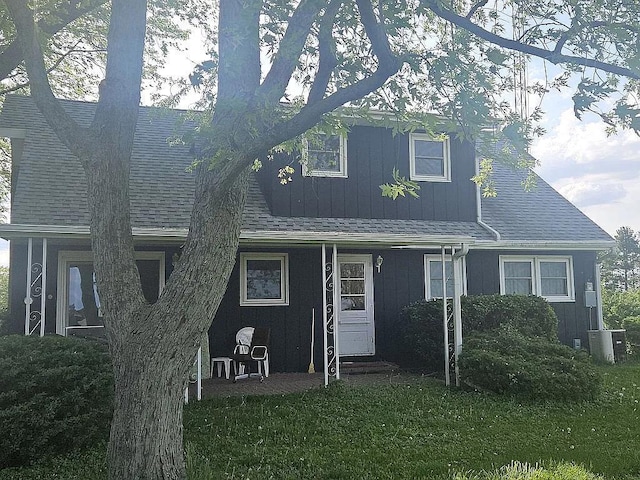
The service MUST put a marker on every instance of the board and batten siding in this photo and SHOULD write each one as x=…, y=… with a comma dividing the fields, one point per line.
x=483, y=278
x=372, y=154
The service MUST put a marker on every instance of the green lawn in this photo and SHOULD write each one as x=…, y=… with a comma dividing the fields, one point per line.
x=421, y=430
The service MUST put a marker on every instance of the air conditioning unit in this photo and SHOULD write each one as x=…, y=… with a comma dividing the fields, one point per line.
x=608, y=346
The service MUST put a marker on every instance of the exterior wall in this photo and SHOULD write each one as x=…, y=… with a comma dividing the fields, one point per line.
x=290, y=326
x=399, y=283
x=372, y=153
x=483, y=278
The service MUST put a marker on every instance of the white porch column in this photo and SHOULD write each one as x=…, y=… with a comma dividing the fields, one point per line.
x=43, y=294
x=36, y=286
x=325, y=331
x=336, y=307
x=27, y=299
x=456, y=267
x=445, y=316
x=330, y=315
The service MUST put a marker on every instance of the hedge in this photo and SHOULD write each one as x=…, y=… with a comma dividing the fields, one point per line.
x=56, y=395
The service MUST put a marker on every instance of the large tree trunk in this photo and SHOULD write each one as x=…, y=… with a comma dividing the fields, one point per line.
x=155, y=353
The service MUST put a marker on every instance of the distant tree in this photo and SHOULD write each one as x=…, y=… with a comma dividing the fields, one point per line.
x=619, y=305
x=621, y=265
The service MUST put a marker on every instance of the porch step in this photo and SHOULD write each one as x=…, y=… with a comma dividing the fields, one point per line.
x=367, y=367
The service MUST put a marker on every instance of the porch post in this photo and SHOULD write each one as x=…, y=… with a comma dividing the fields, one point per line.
x=336, y=308
x=445, y=319
x=43, y=295
x=27, y=299
x=456, y=263
x=325, y=331
x=199, y=384
x=329, y=322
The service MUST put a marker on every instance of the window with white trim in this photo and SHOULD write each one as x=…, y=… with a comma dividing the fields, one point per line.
x=433, y=276
x=429, y=158
x=264, y=279
x=325, y=156
x=550, y=277
x=78, y=310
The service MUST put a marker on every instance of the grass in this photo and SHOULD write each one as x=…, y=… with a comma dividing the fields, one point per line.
x=419, y=430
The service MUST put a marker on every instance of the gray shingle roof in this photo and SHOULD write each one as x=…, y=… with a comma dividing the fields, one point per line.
x=50, y=187
x=541, y=214
x=50, y=190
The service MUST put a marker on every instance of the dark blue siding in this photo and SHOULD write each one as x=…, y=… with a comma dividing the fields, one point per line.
x=372, y=154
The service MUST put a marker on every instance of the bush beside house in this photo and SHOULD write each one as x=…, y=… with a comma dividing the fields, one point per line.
x=421, y=340
x=56, y=395
x=510, y=347
x=506, y=361
x=632, y=327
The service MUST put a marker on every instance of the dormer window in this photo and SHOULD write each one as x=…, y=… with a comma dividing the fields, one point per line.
x=325, y=156
x=429, y=158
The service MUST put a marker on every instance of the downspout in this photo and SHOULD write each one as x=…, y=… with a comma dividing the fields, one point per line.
x=484, y=225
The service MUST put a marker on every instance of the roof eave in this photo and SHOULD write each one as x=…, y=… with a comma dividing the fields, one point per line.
x=16, y=231
x=545, y=245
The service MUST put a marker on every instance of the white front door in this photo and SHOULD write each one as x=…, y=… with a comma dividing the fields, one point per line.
x=356, y=327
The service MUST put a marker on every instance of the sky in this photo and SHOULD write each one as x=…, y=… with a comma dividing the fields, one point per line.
x=598, y=173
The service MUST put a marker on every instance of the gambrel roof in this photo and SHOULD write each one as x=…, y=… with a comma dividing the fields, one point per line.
x=49, y=194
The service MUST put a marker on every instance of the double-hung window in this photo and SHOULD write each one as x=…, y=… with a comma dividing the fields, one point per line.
x=325, y=156
x=264, y=279
x=433, y=276
x=429, y=158
x=550, y=277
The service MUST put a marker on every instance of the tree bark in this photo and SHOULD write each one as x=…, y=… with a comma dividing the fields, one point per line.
x=154, y=357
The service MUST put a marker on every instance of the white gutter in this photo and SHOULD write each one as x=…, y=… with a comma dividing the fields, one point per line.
x=544, y=245
x=484, y=225
x=15, y=231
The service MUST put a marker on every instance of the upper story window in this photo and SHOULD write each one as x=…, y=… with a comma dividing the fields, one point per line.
x=548, y=277
x=429, y=158
x=325, y=156
x=264, y=279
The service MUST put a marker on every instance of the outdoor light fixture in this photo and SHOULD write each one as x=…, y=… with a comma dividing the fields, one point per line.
x=379, y=261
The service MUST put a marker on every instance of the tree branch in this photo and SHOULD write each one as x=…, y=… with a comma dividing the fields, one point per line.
x=11, y=56
x=58, y=61
x=70, y=133
x=476, y=7
x=326, y=52
x=286, y=59
x=549, y=55
x=388, y=65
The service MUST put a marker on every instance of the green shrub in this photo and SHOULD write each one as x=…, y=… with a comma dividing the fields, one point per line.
x=528, y=314
x=421, y=343
x=632, y=327
x=524, y=471
x=422, y=340
x=56, y=395
x=507, y=362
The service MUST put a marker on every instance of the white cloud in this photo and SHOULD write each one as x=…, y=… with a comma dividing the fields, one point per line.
x=585, y=192
x=598, y=173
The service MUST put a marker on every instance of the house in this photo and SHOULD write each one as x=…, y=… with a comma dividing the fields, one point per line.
x=330, y=226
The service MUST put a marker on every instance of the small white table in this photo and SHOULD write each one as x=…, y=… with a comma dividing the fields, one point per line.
x=218, y=362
